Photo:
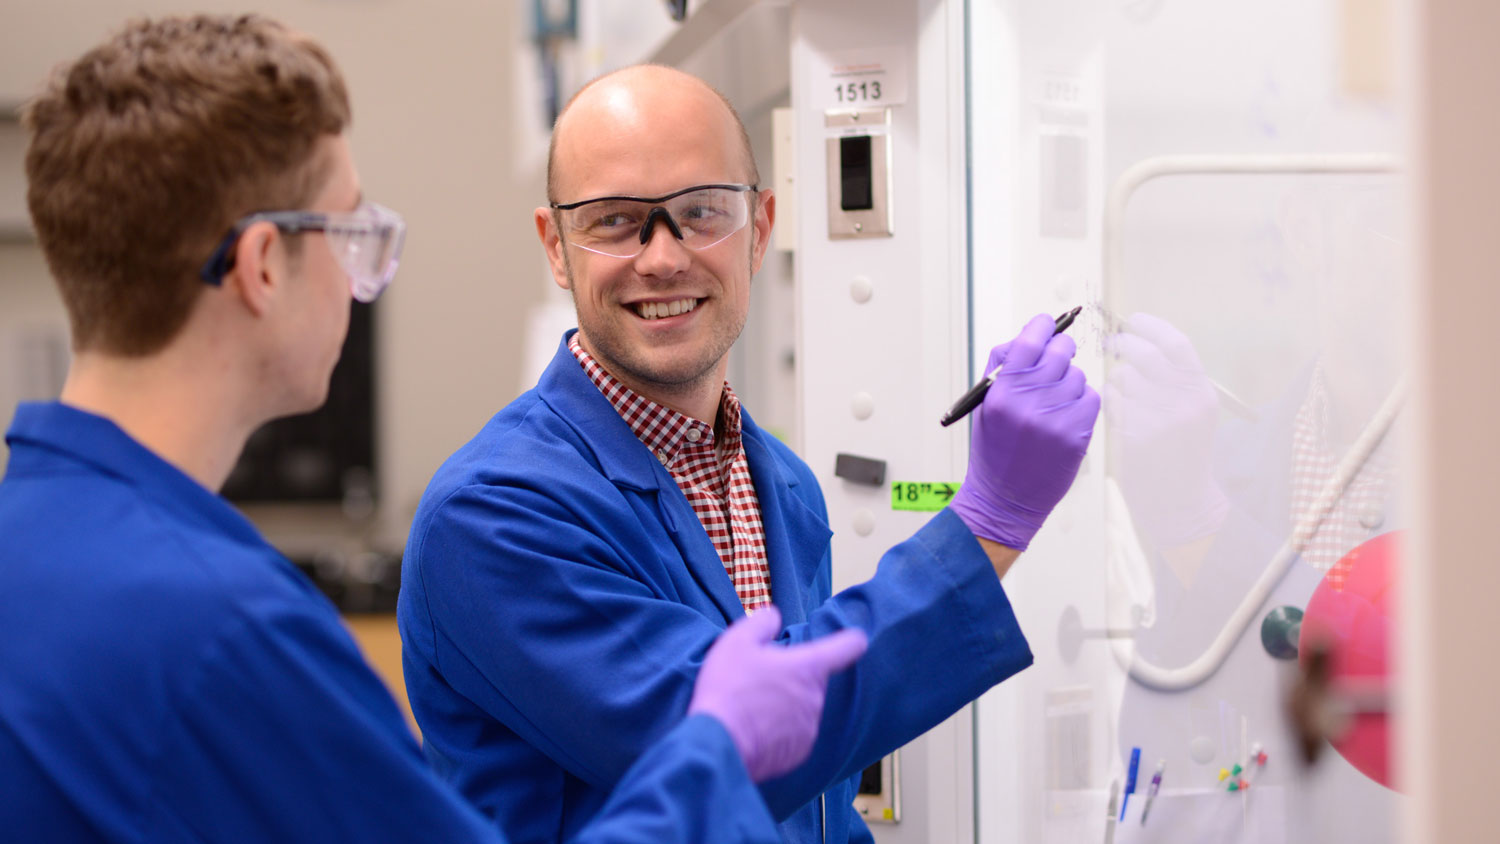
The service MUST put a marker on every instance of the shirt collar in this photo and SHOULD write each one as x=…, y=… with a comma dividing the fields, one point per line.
x=58, y=430
x=661, y=429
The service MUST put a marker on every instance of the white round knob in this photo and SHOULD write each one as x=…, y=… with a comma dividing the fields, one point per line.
x=1202, y=750
x=862, y=405
x=861, y=289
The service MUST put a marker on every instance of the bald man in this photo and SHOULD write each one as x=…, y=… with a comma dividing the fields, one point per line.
x=569, y=567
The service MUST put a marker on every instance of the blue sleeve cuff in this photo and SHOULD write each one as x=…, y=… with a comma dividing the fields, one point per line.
x=980, y=605
x=689, y=788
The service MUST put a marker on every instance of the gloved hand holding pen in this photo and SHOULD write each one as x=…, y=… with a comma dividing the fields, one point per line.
x=1029, y=436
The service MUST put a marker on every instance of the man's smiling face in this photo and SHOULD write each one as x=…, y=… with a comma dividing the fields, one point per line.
x=665, y=319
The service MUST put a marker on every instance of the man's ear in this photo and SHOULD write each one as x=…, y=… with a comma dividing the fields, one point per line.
x=546, y=230
x=259, y=267
x=765, y=218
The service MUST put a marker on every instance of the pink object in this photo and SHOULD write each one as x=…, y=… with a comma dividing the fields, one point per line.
x=1350, y=613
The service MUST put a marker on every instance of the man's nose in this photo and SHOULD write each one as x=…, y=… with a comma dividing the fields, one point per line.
x=664, y=253
x=659, y=215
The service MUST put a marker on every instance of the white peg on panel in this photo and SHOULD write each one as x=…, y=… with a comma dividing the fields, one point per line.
x=861, y=289
x=864, y=522
x=862, y=405
x=1202, y=750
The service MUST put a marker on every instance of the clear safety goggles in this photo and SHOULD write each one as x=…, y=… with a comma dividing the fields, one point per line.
x=366, y=242
x=621, y=226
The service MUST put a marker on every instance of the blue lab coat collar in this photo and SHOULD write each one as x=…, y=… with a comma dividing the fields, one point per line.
x=623, y=459
x=54, y=431
x=796, y=537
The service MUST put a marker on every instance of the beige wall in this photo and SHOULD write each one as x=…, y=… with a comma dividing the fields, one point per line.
x=434, y=105
x=1449, y=745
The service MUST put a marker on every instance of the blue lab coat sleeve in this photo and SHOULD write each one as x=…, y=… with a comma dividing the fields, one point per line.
x=689, y=788
x=288, y=736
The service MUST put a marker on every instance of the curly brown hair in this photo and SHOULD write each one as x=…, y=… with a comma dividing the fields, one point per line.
x=146, y=149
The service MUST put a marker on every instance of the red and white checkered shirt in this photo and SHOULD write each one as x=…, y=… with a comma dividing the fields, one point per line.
x=711, y=471
x=1359, y=512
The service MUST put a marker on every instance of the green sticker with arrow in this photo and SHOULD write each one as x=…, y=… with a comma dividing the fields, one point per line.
x=922, y=497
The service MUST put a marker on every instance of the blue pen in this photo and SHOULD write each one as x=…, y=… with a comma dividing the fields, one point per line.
x=1135, y=765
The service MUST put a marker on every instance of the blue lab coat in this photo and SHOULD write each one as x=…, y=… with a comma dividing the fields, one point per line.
x=559, y=593
x=166, y=676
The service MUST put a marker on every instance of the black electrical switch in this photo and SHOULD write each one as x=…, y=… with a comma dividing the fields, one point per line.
x=871, y=781
x=855, y=178
x=860, y=470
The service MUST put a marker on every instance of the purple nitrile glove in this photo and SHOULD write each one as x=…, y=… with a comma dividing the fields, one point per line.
x=768, y=696
x=1029, y=436
x=1162, y=412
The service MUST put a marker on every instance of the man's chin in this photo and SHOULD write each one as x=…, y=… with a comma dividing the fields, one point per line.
x=667, y=371
x=669, y=364
x=311, y=398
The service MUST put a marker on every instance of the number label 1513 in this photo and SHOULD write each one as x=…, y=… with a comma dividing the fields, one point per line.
x=858, y=92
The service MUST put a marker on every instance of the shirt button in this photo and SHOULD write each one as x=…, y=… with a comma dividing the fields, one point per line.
x=694, y=435
x=661, y=454
x=1372, y=519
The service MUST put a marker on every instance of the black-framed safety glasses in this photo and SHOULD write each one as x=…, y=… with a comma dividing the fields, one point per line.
x=620, y=226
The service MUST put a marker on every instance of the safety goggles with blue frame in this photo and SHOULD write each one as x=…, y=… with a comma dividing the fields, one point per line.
x=366, y=243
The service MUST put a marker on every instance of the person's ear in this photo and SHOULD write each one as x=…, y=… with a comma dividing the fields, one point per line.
x=259, y=267
x=765, y=218
x=546, y=230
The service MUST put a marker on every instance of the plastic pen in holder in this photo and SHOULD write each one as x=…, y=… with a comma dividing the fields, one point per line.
x=975, y=396
x=1151, y=792
x=1109, y=812
x=1135, y=766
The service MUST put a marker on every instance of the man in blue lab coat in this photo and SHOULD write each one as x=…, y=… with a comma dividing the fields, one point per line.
x=569, y=567
x=165, y=675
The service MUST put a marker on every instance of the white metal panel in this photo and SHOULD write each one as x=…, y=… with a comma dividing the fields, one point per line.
x=905, y=347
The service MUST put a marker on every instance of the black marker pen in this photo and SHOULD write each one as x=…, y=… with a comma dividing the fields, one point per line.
x=972, y=399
